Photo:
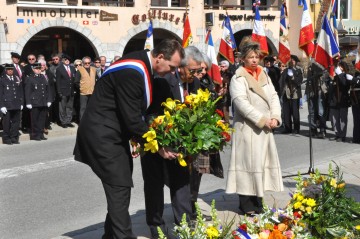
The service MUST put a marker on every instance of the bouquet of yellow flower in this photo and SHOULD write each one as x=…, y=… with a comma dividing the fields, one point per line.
x=188, y=128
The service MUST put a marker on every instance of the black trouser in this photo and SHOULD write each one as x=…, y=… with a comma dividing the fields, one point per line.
x=84, y=99
x=356, y=122
x=25, y=118
x=291, y=110
x=156, y=173
x=38, y=117
x=66, y=106
x=317, y=114
x=11, y=122
x=118, y=221
x=195, y=180
x=250, y=204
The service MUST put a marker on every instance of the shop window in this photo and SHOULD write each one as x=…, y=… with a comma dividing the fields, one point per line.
x=343, y=10
x=168, y=3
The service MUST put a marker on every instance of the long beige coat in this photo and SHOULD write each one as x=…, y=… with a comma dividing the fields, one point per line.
x=254, y=164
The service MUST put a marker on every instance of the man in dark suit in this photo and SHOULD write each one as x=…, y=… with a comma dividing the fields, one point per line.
x=113, y=116
x=11, y=104
x=18, y=70
x=65, y=76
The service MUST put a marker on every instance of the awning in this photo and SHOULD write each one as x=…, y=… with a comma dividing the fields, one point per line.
x=349, y=40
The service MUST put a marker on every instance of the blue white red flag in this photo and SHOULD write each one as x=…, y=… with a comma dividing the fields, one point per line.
x=284, y=47
x=333, y=20
x=149, y=42
x=258, y=33
x=327, y=47
x=306, y=32
x=214, y=71
x=227, y=43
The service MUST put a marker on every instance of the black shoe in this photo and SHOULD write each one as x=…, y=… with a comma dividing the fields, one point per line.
x=340, y=139
x=49, y=128
x=285, y=132
x=343, y=139
x=36, y=139
x=70, y=125
x=7, y=142
x=296, y=131
x=15, y=141
x=43, y=138
x=64, y=126
x=322, y=135
x=334, y=138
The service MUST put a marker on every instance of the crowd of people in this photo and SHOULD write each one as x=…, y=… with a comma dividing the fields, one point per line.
x=128, y=94
x=38, y=93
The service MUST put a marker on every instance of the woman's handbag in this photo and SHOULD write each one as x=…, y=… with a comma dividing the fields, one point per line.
x=216, y=167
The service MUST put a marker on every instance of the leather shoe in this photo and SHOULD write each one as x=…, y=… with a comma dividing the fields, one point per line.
x=64, y=126
x=8, y=142
x=296, y=131
x=321, y=135
x=49, y=128
x=70, y=125
x=43, y=138
x=36, y=139
x=334, y=138
x=286, y=132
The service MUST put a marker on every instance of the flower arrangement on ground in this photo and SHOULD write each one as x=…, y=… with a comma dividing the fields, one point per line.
x=189, y=128
x=201, y=230
x=318, y=209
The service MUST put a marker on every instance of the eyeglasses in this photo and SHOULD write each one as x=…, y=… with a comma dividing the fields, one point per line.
x=31, y=59
x=193, y=71
x=76, y=65
x=97, y=62
x=55, y=59
x=86, y=63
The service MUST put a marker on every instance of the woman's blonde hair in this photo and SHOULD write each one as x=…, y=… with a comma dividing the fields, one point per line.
x=247, y=45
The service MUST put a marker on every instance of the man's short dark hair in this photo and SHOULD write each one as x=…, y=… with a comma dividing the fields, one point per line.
x=168, y=47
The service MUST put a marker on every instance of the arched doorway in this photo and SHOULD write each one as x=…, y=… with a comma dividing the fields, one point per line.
x=137, y=42
x=243, y=33
x=59, y=40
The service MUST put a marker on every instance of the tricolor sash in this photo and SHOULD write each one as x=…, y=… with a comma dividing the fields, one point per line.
x=139, y=66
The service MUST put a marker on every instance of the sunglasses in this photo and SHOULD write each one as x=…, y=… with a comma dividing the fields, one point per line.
x=31, y=59
x=77, y=65
x=193, y=71
x=55, y=59
x=86, y=63
x=97, y=62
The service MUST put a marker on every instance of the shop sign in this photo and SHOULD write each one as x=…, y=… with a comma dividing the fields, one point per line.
x=54, y=13
x=153, y=14
x=244, y=17
x=106, y=16
x=353, y=30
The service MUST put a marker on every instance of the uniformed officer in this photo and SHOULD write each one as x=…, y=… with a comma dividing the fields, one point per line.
x=11, y=103
x=38, y=98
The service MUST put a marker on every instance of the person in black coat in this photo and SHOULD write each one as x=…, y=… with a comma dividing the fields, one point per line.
x=38, y=99
x=65, y=76
x=113, y=116
x=11, y=103
x=355, y=106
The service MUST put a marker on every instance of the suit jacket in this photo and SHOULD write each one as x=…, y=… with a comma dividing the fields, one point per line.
x=113, y=115
x=37, y=91
x=11, y=93
x=64, y=83
x=22, y=72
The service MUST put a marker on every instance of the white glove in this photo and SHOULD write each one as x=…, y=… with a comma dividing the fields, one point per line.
x=290, y=72
x=21, y=107
x=338, y=70
x=3, y=110
x=349, y=77
x=48, y=104
x=29, y=107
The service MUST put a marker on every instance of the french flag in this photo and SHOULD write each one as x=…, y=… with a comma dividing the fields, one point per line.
x=306, y=32
x=214, y=71
x=258, y=33
x=149, y=42
x=227, y=43
x=327, y=47
x=284, y=47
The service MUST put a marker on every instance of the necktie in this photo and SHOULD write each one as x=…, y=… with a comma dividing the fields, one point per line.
x=186, y=93
x=68, y=70
x=11, y=78
x=18, y=70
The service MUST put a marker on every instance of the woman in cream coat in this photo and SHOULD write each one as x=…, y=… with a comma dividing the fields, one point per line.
x=254, y=167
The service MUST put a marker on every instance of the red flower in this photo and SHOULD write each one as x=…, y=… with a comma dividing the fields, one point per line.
x=297, y=215
x=243, y=227
x=226, y=136
x=219, y=112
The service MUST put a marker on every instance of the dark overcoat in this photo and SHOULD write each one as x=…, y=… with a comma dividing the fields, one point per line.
x=11, y=93
x=113, y=115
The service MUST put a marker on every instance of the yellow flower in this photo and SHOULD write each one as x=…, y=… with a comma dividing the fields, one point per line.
x=212, y=232
x=203, y=95
x=311, y=202
x=341, y=185
x=297, y=205
x=357, y=227
x=181, y=160
x=152, y=146
x=159, y=120
x=170, y=104
x=150, y=135
x=333, y=182
x=180, y=106
x=308, y=210
x=263, y=235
